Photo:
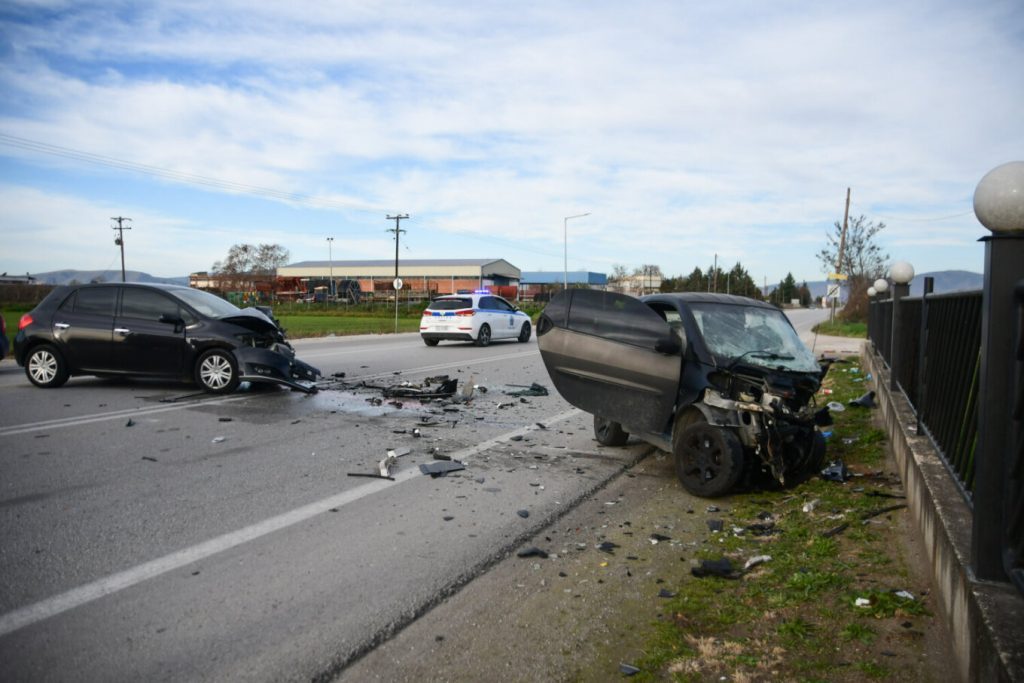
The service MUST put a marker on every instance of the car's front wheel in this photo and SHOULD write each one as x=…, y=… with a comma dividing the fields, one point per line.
x=45, y=367
x=483, y=337
x=524, y=333
x=217, y=372
x=609, y=433
x=709, y=459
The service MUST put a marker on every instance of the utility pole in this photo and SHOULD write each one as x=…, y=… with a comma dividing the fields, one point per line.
x=839, y=256
x=716, y=273
x=397, y=218
x=119, y=240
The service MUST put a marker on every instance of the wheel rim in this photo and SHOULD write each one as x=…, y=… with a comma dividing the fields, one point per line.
x=43, y=366
x=703, y=458
x=216, y=371
x=485, y=334
x=524, y=334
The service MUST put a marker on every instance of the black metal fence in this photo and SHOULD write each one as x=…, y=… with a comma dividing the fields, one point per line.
x=937, y=369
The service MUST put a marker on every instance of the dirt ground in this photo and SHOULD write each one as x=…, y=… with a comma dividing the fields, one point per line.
x=580, y=613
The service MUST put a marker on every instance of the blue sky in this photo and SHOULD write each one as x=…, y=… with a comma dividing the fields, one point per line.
x=685, y=131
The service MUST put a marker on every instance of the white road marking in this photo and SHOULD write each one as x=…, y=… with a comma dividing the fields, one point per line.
x=44, y=609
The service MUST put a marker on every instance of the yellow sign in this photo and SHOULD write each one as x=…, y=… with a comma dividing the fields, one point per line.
x=837, y=276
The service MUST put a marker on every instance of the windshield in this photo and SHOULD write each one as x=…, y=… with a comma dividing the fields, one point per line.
x=206, y=303
x=752, y=335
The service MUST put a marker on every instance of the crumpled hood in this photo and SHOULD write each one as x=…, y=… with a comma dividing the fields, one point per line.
x=252, y=319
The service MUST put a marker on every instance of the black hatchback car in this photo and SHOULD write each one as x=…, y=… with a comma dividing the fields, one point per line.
x=722, y=382
x=154, y=330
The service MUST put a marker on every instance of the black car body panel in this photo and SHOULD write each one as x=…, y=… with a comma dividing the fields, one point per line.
x=150, y=330
x=656, y=366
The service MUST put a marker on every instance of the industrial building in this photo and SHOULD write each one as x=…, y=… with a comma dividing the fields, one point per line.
x=431, y=277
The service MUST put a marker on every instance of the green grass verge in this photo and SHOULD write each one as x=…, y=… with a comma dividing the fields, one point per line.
x=298, y=326
x=796, y=617
x=840, y=328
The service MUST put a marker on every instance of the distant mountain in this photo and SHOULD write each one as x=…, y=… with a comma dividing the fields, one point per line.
x=63, y=277
x=945, y=281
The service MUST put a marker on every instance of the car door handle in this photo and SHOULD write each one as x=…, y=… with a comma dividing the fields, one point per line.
x=61, y=326
x=122, y=331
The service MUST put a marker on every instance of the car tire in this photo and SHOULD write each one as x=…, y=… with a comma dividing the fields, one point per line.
x=609, y=432
x=483, y=337
x=524, y=333
x=708, y=459
x=45, y=367
x=430, y=342
x=217, y=372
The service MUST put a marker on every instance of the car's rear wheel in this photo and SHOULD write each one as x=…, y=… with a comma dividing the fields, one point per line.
x=430, y=342
x=609, y=432
x=217, y=372
x=483, y=337
x=45, y=367
x=709, y=459
x=524, y=333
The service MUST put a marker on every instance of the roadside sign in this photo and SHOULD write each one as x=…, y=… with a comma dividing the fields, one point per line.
x=833, y=292
x=837, y=276
x=397, y=283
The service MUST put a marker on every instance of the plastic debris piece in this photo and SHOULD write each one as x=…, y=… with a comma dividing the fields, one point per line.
x=721, y=568
x=370, y=475
x=441, y=468
x=223, y=419
x=836, y=407
x=665, y=593
x=836, y=471
x=129, y=423
x=756, y=560
x=149, y=458
x=809, y=507
x=906, y=595
x=862, y=602
x=533, y=390
x=628, y=670
x=836, y=530
x=716, y=525
x=865, y=401
x=607, y=547
x=218, y=439
x=603, y=564
x=658, y=538
x=523, y=513
x=713, y=508
x=532, y=551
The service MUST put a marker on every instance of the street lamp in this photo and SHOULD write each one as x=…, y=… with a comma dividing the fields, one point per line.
x=565, y=238
x=330, y=265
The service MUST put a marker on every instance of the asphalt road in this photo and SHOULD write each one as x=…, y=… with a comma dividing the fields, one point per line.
x=149, y=533
x=213, y=539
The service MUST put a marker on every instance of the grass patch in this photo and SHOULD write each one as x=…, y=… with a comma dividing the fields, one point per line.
x=787, y=619
x=298, y=326
x=840, y=328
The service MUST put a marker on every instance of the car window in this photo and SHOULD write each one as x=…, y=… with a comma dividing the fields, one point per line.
x=95, y=301
x=147, y=304
x=616, y=317
x=501, y=305
x=450, y=304
x=206, y=303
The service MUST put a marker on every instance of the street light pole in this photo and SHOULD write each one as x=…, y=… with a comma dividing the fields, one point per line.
x=565, y=242
x=330, y=265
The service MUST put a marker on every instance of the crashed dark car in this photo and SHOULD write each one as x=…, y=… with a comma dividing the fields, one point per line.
x=152, y=330
x=722, y=382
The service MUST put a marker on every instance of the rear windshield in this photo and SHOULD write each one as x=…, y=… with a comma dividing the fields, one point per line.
x=450, y=304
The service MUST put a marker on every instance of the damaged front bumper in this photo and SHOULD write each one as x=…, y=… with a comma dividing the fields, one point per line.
x=276, y=366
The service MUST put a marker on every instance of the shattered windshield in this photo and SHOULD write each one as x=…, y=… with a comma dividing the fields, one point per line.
x=752, y=335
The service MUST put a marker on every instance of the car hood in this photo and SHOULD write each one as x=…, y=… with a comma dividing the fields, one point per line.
x=252, y=319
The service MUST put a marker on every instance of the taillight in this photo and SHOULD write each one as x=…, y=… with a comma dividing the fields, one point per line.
x=465, y=313
x=25, y=321
x=427, y=312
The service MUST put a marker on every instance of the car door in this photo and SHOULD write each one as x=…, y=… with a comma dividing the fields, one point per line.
x=83, y=325
x=612, y=356
x=149, y=333
x=504, y=317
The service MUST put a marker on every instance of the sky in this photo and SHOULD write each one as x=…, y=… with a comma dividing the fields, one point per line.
x=688, y=131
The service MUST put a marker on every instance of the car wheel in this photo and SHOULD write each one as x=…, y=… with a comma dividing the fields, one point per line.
x=609, y=433
x=45, y=367
x=524, y=333
x=709, y=459
x=216, y=371
x=430, y=342
x=483, y=337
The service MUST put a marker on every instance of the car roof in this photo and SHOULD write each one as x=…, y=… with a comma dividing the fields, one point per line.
x=707, y=297
x=149, y=285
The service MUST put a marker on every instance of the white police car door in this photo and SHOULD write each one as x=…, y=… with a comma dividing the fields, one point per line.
x=504, y=316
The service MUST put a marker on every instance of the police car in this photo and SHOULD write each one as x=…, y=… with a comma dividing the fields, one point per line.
x=478, y=317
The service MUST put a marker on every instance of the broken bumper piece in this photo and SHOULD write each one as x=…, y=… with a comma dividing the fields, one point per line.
x=274, y=367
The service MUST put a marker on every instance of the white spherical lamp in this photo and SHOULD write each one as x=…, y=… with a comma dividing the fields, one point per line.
x=999, y=199
x=872, y=291
x=901, y=272
x=881, y=286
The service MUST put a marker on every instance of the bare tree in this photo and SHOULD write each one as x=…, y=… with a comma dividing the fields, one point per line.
x=863, y=261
